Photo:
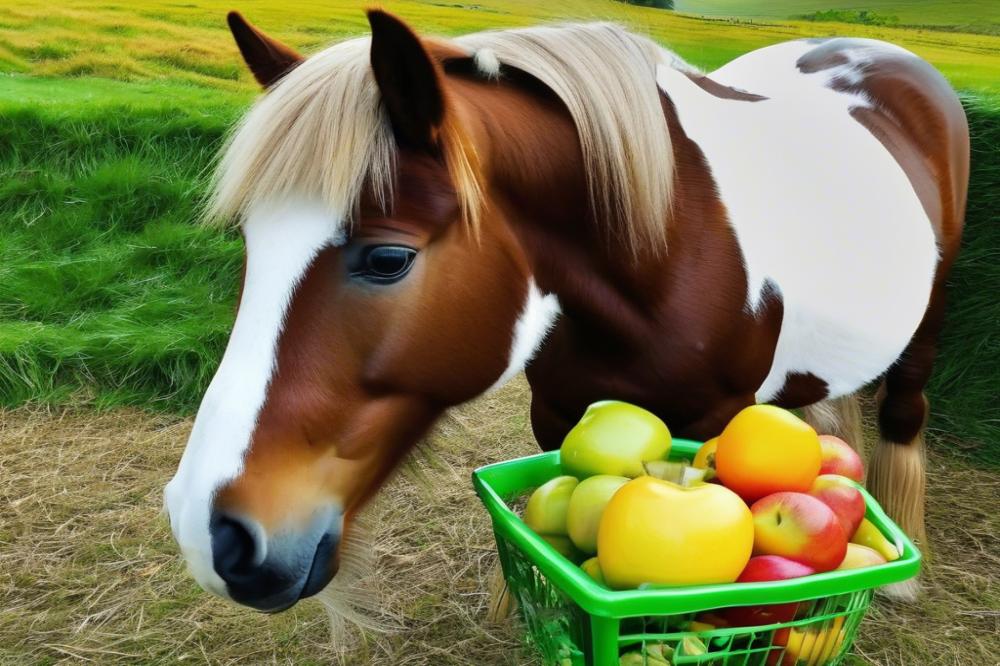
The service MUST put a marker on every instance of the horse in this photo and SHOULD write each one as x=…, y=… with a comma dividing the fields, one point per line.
x=425, y=218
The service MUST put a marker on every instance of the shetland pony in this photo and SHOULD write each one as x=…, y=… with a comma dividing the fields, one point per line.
x=425, y=218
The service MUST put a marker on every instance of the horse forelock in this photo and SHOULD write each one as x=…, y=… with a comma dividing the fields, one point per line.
x=322, y=134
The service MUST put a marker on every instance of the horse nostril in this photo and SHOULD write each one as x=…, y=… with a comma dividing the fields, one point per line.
x=236, y=550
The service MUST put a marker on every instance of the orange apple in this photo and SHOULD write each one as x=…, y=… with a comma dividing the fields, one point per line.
x=765, y=449
x=838, y=493
x=800, y=527
x=859, y=557
x=839, y=458
x=765, y=568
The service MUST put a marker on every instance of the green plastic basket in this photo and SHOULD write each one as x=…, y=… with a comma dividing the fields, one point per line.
x=573, y=621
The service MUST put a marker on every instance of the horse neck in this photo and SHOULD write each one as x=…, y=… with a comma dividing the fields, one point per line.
x=538, y=184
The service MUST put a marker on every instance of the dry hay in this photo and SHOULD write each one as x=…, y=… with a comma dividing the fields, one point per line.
x=88, y=571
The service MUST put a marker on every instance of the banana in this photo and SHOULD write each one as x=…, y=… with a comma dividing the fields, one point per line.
x=869, y=535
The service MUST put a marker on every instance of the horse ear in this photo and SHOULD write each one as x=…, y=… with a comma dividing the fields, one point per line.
x=267, y=58
x=408, y=79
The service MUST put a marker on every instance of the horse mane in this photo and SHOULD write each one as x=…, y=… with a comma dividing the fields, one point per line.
x=322, y=131
x=606, y=78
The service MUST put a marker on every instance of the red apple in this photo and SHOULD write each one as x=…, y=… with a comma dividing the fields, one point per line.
x=772, y=567
x=859, y=557
x=800, y=527
x=838, y=493
x=765, y=568
x=839, y=458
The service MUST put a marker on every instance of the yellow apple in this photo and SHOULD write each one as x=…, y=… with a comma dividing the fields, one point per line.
x=654, y=531
x=705, y=458
x=592, y=568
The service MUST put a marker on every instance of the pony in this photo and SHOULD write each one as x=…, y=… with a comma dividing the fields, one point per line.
x=425, y=218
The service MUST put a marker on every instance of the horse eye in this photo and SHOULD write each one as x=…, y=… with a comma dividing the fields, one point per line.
x=384, y=264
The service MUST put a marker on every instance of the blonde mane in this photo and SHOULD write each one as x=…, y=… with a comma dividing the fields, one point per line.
x=606, y=77
x=322, y=131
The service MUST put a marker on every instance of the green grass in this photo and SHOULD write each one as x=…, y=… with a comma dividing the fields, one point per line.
x=188, y=41
x=972, y=15
x=965, y=387
x=108, y=293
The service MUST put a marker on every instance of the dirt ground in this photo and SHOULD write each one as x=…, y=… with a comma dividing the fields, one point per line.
x=89, y=572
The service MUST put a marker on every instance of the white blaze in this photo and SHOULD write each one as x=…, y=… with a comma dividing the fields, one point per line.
x=281, y=242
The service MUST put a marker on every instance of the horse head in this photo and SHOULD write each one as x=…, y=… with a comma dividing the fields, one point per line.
x=378, y=291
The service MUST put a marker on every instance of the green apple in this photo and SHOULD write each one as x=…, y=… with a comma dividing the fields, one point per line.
x=614, y=438
x=586, y=506
x=546, y=510
x=563, y=546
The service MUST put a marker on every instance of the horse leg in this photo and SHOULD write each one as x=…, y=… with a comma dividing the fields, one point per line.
x=896, y=472
x=840, y=417
x=502, y=604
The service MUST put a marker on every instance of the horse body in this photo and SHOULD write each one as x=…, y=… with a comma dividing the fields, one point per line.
x=817, y=229
x=782, y=237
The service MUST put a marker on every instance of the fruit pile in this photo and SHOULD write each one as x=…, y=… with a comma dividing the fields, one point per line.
x=768, y=499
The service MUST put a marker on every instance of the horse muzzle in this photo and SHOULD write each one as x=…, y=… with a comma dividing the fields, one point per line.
x=273, y=572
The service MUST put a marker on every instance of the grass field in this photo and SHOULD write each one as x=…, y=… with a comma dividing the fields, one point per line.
x=89, y=572
x=110, y=113
x=971, y=15
x=189, y=41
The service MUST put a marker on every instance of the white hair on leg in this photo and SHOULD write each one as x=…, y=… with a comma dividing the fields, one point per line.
x=840, y=417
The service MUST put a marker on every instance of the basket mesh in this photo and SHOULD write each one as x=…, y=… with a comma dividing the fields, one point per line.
x=563, y=634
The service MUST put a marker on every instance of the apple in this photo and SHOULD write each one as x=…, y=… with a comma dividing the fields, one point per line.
x=766, y=568
x=592, y=568
x=705, y=457
x=800, y=527
x=838, y=493
x=869, y=535
x=839, y=458
x=763, y=568
x=562, y=545
x=547, y=507
x=859, y=557
x=586, y=505
x=765, y=449
x=614, y=438
x=654, y=531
